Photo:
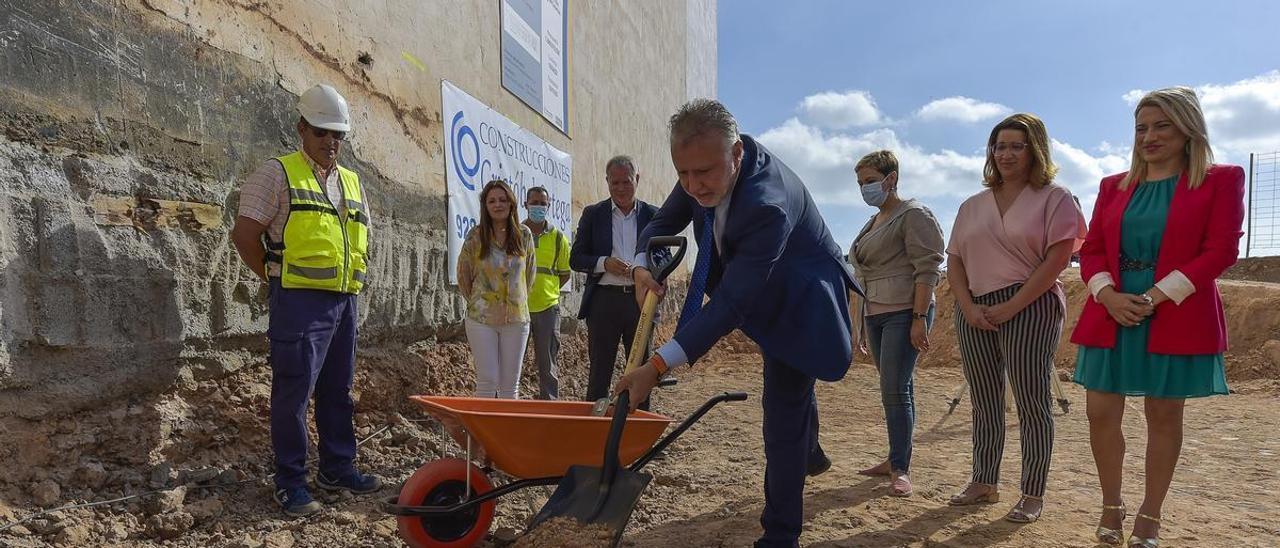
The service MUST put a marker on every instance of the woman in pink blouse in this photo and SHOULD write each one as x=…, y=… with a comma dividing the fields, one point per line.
x=1008, y=246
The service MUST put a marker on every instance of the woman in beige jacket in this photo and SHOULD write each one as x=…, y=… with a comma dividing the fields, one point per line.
x=897, y=257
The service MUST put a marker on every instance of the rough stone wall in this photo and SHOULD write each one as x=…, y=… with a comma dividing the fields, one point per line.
x=126, y=127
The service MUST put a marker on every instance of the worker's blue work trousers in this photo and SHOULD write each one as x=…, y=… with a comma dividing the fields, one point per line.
x=313, y=351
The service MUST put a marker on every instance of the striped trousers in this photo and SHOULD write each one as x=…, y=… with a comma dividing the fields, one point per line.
x=1023, y=347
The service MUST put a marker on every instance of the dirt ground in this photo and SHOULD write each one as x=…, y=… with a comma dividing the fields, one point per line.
x=199, y=456
x=1257, y=269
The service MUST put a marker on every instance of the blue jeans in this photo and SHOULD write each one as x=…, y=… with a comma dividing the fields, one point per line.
x=889, y=340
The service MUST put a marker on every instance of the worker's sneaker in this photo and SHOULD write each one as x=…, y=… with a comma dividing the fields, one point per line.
x=296, y=501
x=353, y=481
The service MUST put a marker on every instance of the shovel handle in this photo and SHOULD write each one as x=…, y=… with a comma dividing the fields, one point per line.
x=644, y=334
x=639, y=351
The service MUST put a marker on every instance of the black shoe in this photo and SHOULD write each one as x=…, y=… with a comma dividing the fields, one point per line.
x=818, y=466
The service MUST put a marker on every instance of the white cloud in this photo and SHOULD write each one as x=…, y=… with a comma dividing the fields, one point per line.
x=835, y=110
x=824, y=161
x=961, y=109
x=1244, y=116
x=1081, y=172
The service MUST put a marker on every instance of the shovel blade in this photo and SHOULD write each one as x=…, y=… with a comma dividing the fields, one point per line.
x=581, y=495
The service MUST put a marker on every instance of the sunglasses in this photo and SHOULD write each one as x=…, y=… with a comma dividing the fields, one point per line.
x=320, y=133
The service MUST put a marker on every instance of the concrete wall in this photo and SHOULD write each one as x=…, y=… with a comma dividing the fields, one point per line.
x=127, y=125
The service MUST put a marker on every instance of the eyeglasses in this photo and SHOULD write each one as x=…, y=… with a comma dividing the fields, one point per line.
x=320, y=133
x=1008, y=148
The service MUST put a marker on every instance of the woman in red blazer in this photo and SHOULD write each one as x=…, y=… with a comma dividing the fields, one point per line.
x=1160, y=236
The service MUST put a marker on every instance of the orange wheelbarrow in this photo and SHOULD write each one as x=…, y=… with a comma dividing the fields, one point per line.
x=450, y=502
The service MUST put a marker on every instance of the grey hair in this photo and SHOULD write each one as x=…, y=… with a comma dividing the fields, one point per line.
x=701, y=116
x=621, y=160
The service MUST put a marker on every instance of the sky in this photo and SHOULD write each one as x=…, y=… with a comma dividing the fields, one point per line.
x=823, y=82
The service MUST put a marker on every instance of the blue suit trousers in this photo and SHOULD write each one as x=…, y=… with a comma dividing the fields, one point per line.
x=790, y=440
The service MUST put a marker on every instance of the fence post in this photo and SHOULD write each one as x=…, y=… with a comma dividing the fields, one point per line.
x=1248, y=236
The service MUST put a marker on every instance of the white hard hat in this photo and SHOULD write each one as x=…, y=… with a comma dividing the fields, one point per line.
x=323, y=107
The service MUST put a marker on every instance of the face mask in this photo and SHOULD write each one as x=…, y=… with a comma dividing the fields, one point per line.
x=537, y=213
x=874, y=194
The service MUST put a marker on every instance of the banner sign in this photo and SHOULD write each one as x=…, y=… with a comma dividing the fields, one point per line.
x=482, y=145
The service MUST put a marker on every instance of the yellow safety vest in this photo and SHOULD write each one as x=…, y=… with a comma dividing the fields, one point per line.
x=551, y=261
x=321, y=250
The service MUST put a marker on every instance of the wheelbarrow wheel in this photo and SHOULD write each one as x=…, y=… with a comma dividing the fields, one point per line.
x=443, y=483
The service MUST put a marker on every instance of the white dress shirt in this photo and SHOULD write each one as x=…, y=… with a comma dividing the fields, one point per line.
x=624, y=243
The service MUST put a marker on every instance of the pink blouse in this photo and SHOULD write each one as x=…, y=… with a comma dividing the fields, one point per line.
x=998, y=252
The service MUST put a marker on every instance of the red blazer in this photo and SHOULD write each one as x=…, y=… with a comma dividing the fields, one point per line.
x=1201, y=240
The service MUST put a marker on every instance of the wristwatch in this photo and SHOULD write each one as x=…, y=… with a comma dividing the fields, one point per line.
x=919, y=316
x=1146, y=298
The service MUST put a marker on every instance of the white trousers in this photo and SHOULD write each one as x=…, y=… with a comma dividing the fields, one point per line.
x=498, y=352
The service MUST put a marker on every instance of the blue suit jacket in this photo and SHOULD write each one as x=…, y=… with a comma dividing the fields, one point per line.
x=780, y=276
x=594, y=239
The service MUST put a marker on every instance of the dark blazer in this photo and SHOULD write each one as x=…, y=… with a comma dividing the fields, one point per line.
x=594, y=239
x=1201, y=240
x=780, y=277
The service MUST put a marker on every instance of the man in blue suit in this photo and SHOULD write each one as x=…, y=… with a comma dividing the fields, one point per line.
x=771, y=268
x=603, y=248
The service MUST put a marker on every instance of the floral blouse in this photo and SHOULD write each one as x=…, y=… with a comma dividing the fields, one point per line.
x=499, y=282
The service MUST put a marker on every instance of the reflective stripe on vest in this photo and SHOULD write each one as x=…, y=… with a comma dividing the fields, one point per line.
x=322, y=250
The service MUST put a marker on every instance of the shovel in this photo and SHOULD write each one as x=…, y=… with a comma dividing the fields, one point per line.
x=662, y=261
x=605, y=495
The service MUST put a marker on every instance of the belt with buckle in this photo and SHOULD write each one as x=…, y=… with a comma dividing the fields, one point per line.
x=1129, y=265
x=619, y=288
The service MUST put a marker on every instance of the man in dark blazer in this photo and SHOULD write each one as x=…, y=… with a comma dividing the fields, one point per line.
x=604, y=247
x=771, y=269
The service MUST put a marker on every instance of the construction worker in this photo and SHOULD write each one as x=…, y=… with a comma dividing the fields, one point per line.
x=315, y=220
x=544, y=298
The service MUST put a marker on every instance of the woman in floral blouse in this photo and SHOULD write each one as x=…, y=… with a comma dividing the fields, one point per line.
x=495, y=271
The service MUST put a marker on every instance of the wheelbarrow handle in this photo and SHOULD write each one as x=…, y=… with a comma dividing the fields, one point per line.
x=684, y=425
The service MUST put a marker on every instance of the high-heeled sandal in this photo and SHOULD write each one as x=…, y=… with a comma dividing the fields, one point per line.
x=961, y=499
x=1144, y=542
x=1112, y=536
x=1018, y=515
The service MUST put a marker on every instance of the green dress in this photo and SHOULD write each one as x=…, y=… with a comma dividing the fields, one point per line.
x=1128, y=368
